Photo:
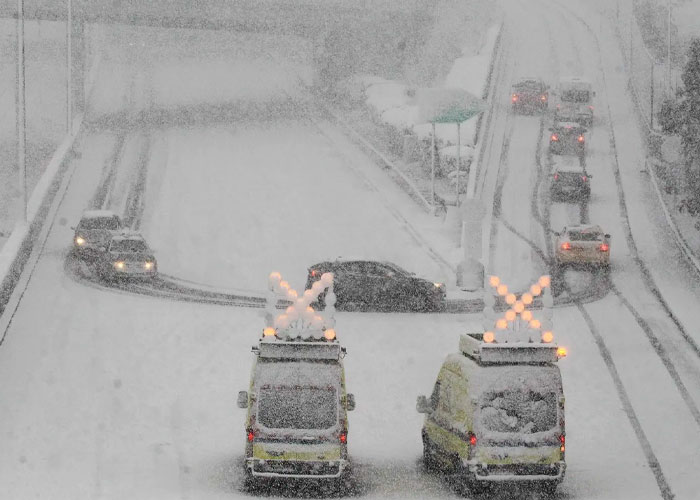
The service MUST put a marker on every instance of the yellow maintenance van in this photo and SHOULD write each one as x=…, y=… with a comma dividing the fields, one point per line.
x=297, y=420
x=496, y=414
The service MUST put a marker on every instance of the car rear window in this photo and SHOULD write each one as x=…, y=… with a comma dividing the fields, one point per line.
x=575, y=96
x=108, y=223
x=128, y=246
x=576, y=236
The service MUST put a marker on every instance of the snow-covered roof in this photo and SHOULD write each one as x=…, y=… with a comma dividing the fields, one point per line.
x=574, y=81
x=95, y=214
x=567, y=163
x=128, y=235
x=585, y=228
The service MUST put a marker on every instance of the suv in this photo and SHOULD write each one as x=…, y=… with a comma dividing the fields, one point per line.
x=496, y=414
x=570, y=181
x=372, y=285
x=567, y=138
x=297, y=421
x=584, y=245
x=575, y=101
x=127, y=255
x=529, y=94
x=95, y=229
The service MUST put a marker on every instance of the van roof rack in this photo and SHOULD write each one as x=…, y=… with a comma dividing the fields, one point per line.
x=473, y=346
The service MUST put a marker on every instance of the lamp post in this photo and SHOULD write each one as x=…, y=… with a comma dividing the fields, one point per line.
x=69, y=67
x=668, y=59
x=21, y=110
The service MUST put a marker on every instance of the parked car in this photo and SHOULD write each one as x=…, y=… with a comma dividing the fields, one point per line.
x=567, y=138
x=529, y=94
x=584, y=245
x=127, y=255
x=569, y=182
x=95, y=229
x=371, y=285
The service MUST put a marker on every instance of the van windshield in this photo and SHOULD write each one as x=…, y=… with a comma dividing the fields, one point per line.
x=523, y=412
x=297, y=407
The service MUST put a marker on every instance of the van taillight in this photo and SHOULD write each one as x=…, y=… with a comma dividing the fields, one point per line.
x=344, y=437
x=472, y=439
x=554, y=138
x=556, y=177
x=562, y=440
x=251, y=435
x=604, y=247
x=315, y=273
x=566, y=246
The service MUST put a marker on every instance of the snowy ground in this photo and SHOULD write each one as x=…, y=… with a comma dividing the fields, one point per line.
x=108, y=395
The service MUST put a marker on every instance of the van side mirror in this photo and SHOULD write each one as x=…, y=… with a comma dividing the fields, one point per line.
x=350, y=402
x=243, y=399
x=607, y=236
x=557, y=233
x=422, y=405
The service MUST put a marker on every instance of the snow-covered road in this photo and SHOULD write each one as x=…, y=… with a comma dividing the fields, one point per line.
x=108, y=395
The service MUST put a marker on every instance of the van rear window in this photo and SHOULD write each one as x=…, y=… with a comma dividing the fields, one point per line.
x=298, y=407
x=581, y=96
x=523, y=412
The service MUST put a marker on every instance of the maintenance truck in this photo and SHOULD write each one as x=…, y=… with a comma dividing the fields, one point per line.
x=496, y=414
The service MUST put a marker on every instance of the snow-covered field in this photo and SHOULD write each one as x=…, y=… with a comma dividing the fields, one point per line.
x=109, y=395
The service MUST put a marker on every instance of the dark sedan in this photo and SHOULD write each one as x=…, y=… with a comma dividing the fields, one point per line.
x=127, y=256
x=362, y=285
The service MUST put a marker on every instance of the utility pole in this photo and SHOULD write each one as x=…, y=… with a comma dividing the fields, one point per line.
x=21, y=111
x=69, y=67
x=668, y=59
x=651, y=91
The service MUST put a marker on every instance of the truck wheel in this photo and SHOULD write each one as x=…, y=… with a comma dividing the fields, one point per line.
x=549, y=488
x=250, y=482
x=428, y=456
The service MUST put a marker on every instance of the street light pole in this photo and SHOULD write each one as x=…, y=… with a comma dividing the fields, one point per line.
x=69, y=67
x=668, y=59
x=459, y=159
x=21, y=111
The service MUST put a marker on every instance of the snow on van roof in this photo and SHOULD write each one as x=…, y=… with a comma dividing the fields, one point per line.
x=96, y=214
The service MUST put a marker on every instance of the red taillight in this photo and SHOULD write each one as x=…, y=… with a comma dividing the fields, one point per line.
x=251, y=435
x=562, y=440
x=315, y=273
x=604, y=247
x=515, y=97
x=555, y=137
x=580, y=138
x=566, y=246
x=590, y=107
x=472, y=439
x=343, y=437
x=584, y=178
x=556, y=177
x=544, y=97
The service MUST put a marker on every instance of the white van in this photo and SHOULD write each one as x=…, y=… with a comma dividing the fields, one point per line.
x=496, y=414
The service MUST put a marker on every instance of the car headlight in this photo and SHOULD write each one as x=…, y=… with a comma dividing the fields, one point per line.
x=148, y=265
x=119, y=265
x=79, y=240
